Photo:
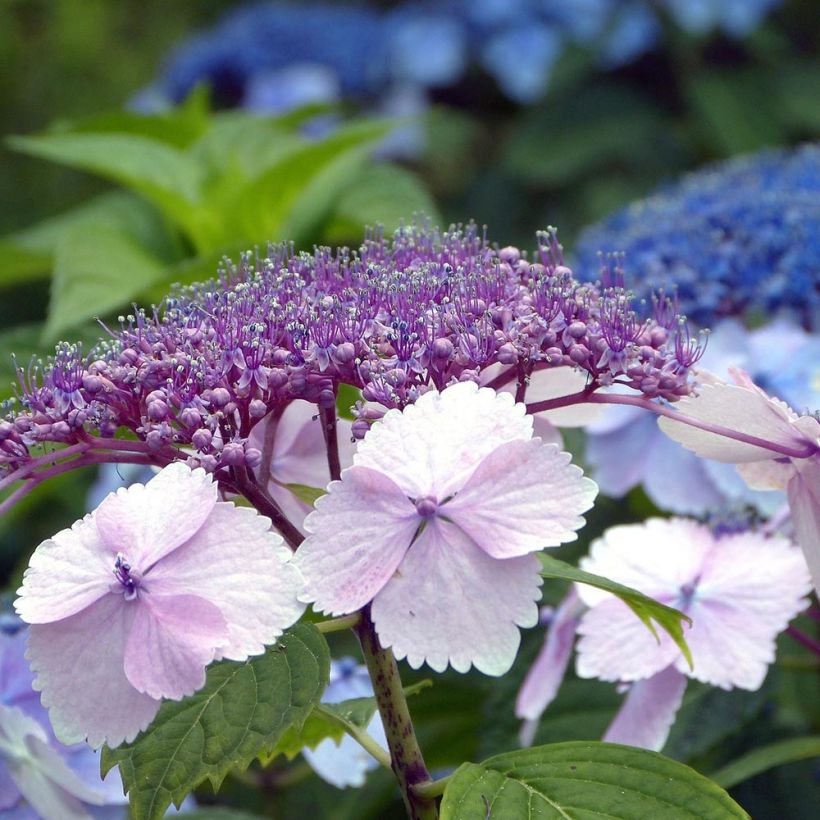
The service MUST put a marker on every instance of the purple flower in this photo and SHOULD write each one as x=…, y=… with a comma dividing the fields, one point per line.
x=133, y=602
x=399, y=317
x=436, y=524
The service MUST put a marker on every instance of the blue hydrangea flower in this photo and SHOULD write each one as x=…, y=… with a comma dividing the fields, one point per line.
x=737, y=238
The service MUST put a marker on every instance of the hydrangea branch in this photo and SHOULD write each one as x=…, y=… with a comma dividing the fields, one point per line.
x=257, y=495
x=590, y=397
x=339, y=624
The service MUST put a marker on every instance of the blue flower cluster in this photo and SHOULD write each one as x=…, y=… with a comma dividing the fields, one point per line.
x=279, y=55
x=741, y=238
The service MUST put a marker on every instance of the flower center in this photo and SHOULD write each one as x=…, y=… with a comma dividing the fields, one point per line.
x=426, y=507
x=122, y=572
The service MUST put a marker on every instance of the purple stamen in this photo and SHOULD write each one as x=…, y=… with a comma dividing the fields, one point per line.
x=122, y=572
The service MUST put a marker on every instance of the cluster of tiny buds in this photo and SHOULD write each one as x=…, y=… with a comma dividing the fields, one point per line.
x=404, y=314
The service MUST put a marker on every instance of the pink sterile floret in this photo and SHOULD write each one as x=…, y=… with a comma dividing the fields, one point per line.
x=436, y=524
x=133, y=602
x=740, y=590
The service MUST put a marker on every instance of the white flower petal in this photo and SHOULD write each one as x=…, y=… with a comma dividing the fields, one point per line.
x=451, y=603
x=522, y=497
x=359, y=533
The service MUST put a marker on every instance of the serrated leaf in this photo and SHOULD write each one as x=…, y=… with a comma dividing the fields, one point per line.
x=581, y=781
x=767, y=757
x=243, y=710
x=647, y=609
x=97, y=268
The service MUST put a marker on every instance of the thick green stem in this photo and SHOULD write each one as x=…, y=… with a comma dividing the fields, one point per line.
x=405, y=755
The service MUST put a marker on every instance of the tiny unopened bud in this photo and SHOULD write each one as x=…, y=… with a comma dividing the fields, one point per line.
x=201, y=439
x=233, y=454
x=257, y=409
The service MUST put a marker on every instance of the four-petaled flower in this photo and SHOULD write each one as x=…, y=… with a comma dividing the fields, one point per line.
x=740, y=590
x=133, y=602
x=436, y=525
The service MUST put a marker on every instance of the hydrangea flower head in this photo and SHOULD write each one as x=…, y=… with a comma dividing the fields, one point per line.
x=436, y=524
x=133, y=602
x=736, y=238
x=740, y=589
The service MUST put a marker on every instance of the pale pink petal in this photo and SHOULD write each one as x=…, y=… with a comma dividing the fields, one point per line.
x=657, y=558
x=147, y=521
x=431, y=447
x=767, y=475
x=555, y=383
x=79, y=667
x=359, y=533
x=648, y=711
x=172, y=639
x=451, y=603
x=547, y=672
x=737, y=408
x=66, y=574
x=804, y=503
x=748, y=591
x=615, y=645
x=522, y=497
x=238, y=565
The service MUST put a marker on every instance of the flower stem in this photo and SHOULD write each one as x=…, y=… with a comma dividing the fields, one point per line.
x=338, y=624
x=405, y=755
x=432, y=788
x=327, y=416
x=256, y=494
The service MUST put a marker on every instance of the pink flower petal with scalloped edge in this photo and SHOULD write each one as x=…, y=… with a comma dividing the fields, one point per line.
x=359, y=533
x=236, y=563
x=171, y=641
x=452, y=604
x=147, y=521
x=78, y=667
x=66, y=574
x=522, y=497
x=431, y=447
x=648, y=711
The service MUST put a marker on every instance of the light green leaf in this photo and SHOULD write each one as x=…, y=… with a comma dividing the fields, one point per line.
x=163, y=174
x=242, y=711
x=647, y=609
x=293, y=197
x=96, y=270
x=584, y=780
x=307, y=495
x=384, y=195
x=767, y=757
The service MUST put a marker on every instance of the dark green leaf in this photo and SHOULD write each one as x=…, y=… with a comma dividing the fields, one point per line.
x=645, y=608
x=767, y=757
x=242, y=711
x=220, y=814
x=581, y=781
x=96, y=270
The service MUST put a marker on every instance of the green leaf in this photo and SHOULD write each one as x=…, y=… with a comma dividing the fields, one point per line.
x=294, y=196
x=584, y=780
x=767, y=757
x=221, y=814
x=647, y=609
x=306, y=494
x=384, y=195
x=328, y=720
x=243, y=710
x=19, y=264
x=163, y=174
x=96, y=270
